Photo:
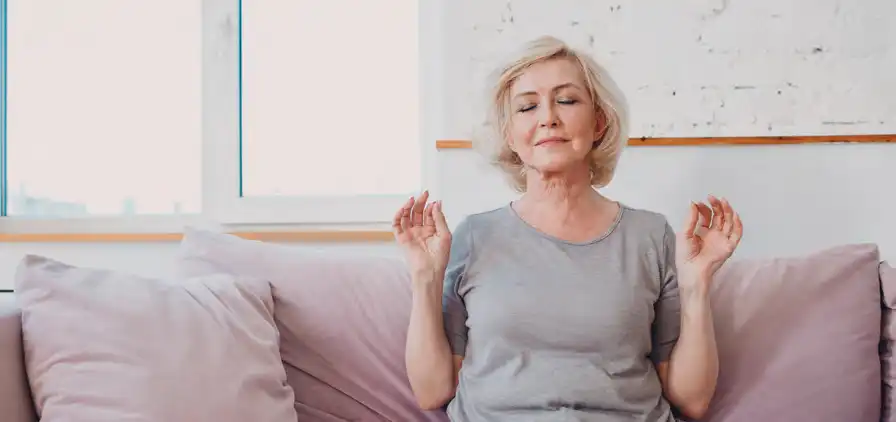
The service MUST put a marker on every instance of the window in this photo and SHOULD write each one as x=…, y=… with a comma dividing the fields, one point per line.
x=101, y=108
x=321, y=104
x=327, y=105
x=242, y=111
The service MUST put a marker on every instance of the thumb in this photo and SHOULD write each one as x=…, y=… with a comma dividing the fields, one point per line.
x=690, y=224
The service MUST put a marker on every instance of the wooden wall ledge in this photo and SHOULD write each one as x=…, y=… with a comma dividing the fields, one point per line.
x=385, y=235
x=723, y=140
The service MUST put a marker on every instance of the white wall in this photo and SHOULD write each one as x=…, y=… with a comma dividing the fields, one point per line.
x=692, y=68
x=715, y=68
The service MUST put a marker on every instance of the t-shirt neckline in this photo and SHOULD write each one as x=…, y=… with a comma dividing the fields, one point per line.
x=529, y=227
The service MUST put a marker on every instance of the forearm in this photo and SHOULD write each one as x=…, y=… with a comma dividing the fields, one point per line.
x=694, y=364
x=427, y=353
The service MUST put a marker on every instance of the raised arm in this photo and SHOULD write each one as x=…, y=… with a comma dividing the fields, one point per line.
x=432, y=368
x=423, y=235
x=707, y=241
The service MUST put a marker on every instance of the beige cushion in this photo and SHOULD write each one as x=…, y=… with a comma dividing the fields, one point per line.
x=107, y=346
x=798, y=338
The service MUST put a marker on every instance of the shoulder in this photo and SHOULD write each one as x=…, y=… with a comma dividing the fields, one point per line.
x=477, y=231
x=477, y=224
x=647, y=223
x=655, y=238
x=651, y=231
x=466, y=239
x=484, y=218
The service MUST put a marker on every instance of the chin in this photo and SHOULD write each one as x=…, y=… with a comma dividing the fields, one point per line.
x=557, y=162
x=557, y=166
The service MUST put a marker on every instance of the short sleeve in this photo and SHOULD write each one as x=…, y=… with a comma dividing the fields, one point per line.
x=667, y=308
x=454, y=312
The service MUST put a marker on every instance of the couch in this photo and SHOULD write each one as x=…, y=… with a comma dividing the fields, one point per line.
x=292, y=333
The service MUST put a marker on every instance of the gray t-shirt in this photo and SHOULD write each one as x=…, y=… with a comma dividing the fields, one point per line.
x=559, y=331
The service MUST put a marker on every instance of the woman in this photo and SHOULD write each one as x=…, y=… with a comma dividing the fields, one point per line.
x=563, y=304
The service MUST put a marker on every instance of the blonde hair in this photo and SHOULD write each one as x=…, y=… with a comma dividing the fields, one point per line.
x=609, y=106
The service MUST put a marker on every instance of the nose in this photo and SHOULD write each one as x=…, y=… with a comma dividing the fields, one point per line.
x=548, y=116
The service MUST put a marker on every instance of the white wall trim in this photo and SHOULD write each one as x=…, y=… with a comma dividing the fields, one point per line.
x=112, y=224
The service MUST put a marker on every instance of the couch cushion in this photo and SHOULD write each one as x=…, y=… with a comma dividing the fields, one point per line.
x=888, y=342
x=798, y=338
x=108, y=346
x=15, y=398
x=343, y=320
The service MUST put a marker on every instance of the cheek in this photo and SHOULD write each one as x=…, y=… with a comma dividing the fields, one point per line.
x=522, y=128
x=581, y=121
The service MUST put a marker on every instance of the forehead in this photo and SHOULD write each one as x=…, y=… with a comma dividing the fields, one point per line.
x=544, y=76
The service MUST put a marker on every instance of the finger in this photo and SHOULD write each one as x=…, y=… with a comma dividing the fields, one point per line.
x=406, y=214
x=728, y=218
x=717, y=216
x=427, y=215
x=705, y=215
x=738, y=232
x=691, y=224
x=396, y=222
x=439, y=217
x=400, y=221
x=417, y=211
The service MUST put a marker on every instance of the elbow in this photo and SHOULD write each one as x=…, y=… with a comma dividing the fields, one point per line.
x=433, y=401
x=695, y=409
x=430, y=404
x=431, y=387
x=432, y=394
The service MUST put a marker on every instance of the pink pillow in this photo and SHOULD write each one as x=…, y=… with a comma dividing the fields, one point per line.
x=888, y=342
x=343, y=320
x=107, y=346
x=798, y=338
x=15, y=398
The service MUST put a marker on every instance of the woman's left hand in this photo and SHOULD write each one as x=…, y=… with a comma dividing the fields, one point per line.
x=710, y=236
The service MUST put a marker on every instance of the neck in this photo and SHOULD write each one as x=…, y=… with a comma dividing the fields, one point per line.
x=564, y=197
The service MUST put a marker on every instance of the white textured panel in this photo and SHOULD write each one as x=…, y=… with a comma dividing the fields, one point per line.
x=704, y=67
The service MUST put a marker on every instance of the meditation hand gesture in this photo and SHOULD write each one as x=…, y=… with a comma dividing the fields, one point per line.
x=423, y=235
x=709, y=238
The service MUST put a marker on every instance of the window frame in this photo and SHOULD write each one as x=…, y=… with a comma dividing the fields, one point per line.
x=222, y=203
x=3, y=179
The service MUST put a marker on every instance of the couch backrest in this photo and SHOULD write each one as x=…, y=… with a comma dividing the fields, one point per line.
x=343, y=322
x=888, y=341
x=15, y=397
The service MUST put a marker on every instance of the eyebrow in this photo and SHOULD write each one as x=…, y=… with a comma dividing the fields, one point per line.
x=556, y=88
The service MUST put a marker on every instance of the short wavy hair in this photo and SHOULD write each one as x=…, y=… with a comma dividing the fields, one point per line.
x=609, y=106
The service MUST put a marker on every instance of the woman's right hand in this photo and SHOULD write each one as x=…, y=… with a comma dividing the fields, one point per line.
x=423, y=235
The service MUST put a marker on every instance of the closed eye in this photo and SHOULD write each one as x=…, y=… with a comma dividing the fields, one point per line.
x=530, y=107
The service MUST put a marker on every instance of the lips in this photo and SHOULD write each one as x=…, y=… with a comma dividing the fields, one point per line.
x=550, y=141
